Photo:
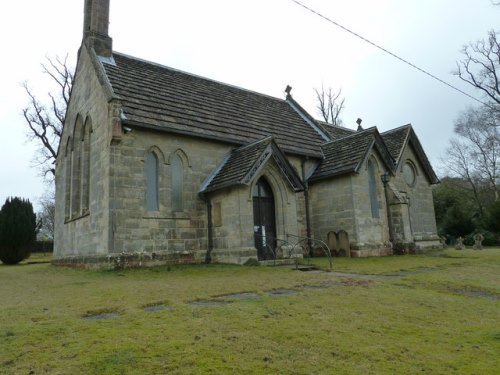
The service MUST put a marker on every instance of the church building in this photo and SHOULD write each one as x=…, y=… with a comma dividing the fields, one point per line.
x=157, y=166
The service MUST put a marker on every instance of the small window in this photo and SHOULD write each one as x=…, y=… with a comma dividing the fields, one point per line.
x=409, y=174
x=177, y=183
x=152, y=182
x=372, y=186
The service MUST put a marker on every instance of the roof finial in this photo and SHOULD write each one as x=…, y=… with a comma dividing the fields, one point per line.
x=358, y=121
x=288, y=90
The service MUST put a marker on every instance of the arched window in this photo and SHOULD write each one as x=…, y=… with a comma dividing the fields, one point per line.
x=85, y=178
x=67, y=180
x=177, y=183
x=372, y=186
x=152, y=182
x=76, y=165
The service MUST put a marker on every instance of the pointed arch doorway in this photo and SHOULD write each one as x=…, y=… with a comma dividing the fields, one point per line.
x=264, y=220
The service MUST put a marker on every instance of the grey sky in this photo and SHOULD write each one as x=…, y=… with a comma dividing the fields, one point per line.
x=260, y=45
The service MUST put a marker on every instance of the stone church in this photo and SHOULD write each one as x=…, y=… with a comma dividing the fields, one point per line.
x=156, y=165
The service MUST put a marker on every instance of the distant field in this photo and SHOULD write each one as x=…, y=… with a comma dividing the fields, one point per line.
x=416, y=314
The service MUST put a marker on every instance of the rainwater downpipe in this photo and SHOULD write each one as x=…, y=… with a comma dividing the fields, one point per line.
x=208, y=255
x=306, y=201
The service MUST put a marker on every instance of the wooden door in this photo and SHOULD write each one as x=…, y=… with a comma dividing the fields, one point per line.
x=264, y=220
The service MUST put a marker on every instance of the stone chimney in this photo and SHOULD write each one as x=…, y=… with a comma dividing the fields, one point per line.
x=95, y=27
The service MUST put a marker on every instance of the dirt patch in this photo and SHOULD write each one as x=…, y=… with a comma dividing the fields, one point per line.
x=471, y=292
x=282, y=292
x=154, y=308
x=357, y=282
x=242, y=295
x=206, y=302
x=101, y=314
x=399, y=273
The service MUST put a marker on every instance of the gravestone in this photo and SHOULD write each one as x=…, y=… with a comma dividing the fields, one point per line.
x=344, y=248
x=332, y=242
x=460, y=244
x=478, y=241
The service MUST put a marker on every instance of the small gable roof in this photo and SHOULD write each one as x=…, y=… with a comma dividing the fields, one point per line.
x=346, y=155
x=157, y=97
x=335, y=131
x=242, y=164
x=398, y=139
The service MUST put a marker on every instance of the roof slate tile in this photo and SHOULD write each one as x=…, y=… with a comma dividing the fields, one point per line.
x=157, y=96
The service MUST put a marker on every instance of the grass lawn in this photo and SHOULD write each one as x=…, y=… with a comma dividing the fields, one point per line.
x=427, y=314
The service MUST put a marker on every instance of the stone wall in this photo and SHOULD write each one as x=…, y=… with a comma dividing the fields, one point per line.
x=343, y=203
x=168, y=230
x=118, y=228
x=422, y=220
x=234, y=232
x=85, y=234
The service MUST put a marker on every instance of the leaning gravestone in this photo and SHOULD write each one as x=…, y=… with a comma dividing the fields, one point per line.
x=478, y=241
x=344, y=248
x=332, y=242
x=460, y=244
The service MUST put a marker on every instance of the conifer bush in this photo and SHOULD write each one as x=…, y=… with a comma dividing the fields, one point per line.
x=17, y=230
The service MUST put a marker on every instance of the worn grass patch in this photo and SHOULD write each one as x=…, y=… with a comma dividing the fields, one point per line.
x=402, y=315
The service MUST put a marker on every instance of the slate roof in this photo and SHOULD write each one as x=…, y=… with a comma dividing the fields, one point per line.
x=347, y=154
x=398, y=139
x=242, y=164
x=158, y=97
x=334, y=131
x=395, y=140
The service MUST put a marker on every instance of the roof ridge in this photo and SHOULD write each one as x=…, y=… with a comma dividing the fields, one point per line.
x=370, y=129
x=198, y=76
x=252, y=144
x=397, y=129
x=336, y=126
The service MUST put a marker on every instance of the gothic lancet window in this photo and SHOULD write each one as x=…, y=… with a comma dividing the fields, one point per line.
x=85, y=156
x=152, y=203
x=76, y=168
x=177, y=183
x=67, y=182
x=372, y=186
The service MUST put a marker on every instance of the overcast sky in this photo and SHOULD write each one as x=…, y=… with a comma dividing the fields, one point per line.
x=261, y=45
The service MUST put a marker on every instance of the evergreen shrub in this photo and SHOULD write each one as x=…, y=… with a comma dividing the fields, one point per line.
x=17, y=230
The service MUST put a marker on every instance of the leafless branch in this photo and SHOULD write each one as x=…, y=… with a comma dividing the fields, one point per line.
x=46, y=121
x=481, y=66
x=330, y=105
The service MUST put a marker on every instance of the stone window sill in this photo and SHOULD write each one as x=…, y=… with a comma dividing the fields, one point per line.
x=75, y=218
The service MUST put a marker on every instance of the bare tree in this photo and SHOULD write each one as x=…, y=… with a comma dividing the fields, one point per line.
x=458, y=163
x=480, y=129
x=474, y=154
x=330, y=105
x=46, y=216
x=481, y=66
x=46, y=122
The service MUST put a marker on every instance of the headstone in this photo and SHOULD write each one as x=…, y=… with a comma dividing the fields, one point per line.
x=344, y=248
x=478, y=241
x=460, y=244
x=332, y=242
